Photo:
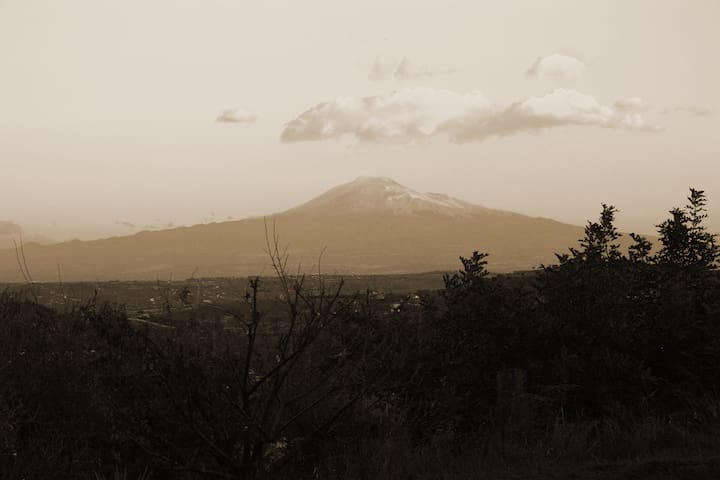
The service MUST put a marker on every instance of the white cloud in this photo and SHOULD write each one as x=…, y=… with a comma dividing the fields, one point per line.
x=236, y=115
x=406, y=113
x=690, y=110
x=402, y=69
x=557, y=67
x=559, y=108
x=631, y=104
x=415, y=113
x=634, y=105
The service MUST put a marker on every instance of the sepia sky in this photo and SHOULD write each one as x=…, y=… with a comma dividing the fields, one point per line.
x=122, y=115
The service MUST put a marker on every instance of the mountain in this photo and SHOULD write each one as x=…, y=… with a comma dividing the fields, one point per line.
x=382, y=195
x=370, y=225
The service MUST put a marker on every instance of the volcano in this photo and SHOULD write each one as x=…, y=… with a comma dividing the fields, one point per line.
x=372, y=225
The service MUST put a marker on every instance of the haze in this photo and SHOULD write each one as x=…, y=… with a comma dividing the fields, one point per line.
x=117, y=116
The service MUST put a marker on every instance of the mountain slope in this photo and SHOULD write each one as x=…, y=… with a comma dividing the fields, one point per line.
x=371, y=225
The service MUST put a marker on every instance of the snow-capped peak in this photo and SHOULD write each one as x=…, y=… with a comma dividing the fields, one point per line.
x=383, y=194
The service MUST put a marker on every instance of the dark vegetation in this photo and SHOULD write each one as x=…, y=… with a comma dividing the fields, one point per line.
x=603, y=366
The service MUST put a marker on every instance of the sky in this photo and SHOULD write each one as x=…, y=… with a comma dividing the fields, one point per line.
x=118, y=116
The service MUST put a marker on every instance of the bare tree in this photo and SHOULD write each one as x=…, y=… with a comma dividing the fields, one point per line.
x=276, y=389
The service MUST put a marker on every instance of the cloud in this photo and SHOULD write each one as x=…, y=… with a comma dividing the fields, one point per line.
x=236, y=115
x=557, y=67
x=8, y=227
x=556, y=109
x=126, y=224
x=631, y=104
x=402, y=69
x=690, y=110
x=407, y=113
x=416, y=113
x=637, y=105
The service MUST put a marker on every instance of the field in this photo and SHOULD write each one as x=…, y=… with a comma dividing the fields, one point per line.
x=145, y=298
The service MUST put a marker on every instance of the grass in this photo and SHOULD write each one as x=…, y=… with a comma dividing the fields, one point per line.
x=647, y=449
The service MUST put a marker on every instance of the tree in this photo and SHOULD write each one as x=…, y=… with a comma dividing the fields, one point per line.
x=592, y=302
x=599, y=243
x=259, y=396
x=686, y=243
x=639, y=252
x=483, y=330
x=468, y=281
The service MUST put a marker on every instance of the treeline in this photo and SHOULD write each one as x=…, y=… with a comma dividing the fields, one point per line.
x=606, y=355
x=633, y=332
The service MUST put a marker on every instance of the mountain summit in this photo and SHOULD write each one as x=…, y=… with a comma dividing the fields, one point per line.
x=370, y=225
x=385, y=195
